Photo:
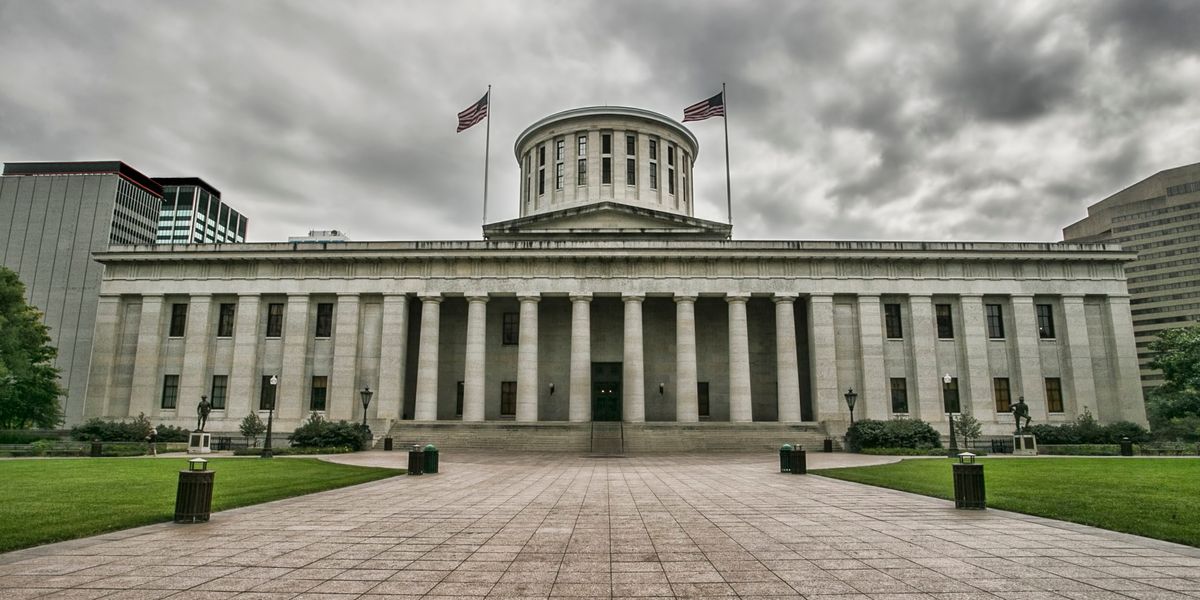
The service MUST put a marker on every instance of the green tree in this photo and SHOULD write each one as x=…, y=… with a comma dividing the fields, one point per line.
x=29, y=389
x=252, y=427
x=1173, y=408
x=968, y=429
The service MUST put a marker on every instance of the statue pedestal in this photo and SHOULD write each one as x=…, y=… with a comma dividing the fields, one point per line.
x=199, y=442
x=1024, y=444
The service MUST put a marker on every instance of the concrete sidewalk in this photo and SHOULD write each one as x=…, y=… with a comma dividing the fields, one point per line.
x=676, y=526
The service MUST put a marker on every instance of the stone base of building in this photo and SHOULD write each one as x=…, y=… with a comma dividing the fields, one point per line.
x=558, y=436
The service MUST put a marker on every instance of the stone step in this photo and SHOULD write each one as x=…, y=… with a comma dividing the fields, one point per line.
x=608, y=439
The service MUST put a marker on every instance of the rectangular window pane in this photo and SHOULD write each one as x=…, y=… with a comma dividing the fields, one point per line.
x=899, y=395
x=558, y=176
x=560, y=149
x=320, y=385
x=654, y=176
x=702, y=399
x=1045, y=319
x=630, y=171
x=541, y=181
x=458, y=399
x=510, y=333
x=995, y=321
x=653, y=149
x=178, y=319
x=1001, y=394
x=1054, y=399
x=220, y=386
x=606, y=170
x=225, y=320
x=671, y=155
x=542, y=155
x=508, y=398
x=274, y=320
x=581, y=172
x=605, y=143
x=170, y=391
x=266, y=393
x=324, y=320
x=630, y=145
x=891, y=321
x=581, y=148
x=950, y=396
x=945, y=322
x=670, y=180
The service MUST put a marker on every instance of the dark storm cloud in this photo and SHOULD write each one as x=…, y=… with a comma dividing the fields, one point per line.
x=856, y=119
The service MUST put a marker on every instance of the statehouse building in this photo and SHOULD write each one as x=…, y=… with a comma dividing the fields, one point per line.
x=605, y=302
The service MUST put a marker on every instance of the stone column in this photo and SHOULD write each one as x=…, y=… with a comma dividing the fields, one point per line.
x=427, y=361
x=1029, y=357
x=193, y=380
x=147, y=380
x=527, y=358
x=292, y=393
x=973, y=332
x=1127, y=372
x=633, y=368
x=827, y=401
x=104, y=351
x=580, y=410
x=687, y=401
x=476, y=359
x=930, y=403
x=245, y=357
x=344, y=401
x=874, y=395
x=786, y=368
x=393, y=347
x=740, y=406
x=1079, y=381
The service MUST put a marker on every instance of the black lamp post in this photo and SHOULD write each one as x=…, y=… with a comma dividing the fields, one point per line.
x=266, y=451
x=851, y=398
x=366, y=394
x=946, y=379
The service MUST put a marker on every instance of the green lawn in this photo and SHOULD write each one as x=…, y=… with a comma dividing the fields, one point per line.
x=1154, y=497
x=51, y=500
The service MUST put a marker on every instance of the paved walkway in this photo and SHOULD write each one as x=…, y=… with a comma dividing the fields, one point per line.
x=538, y=526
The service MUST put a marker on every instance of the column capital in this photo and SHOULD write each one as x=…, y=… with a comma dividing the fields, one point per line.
x=688, y=296
x=347, y=296
x=395, y=297
x=1023, y=298
x=110, y=297
x=632, y=297
x=529, y=296
x=783, y=298
x=920, y=298
x=1074, y=298
x=477, y=298
x=434, y=297
x=974, y=297
x=1118, y=298
x=737, y=297
x=868, y=298
x=297, y=297
x=821, y=297
x=152, y=297
x=581, y=297
x=241, y=295
x=201, y=295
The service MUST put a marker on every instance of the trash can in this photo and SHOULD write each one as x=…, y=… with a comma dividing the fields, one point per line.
x=968, y=483
x=785, y=458
x=828, y=445
x=416, y=460
x=387, y=444
x=431, y=458
x=1126, y=447
x=96, y=448
x=193, y=496
x=799, y=464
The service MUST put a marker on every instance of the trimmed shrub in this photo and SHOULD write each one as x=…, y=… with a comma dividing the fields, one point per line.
x=170, y=433
x=24, y=436
x=895, y=433
x=1080, y=449
x=320, y=433
x=126, y=431
x=1085, y=430
x=294, y=451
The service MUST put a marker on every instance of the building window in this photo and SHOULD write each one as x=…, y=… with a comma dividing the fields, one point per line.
x=558, y=176
x=541, y=169
x=1045, y=320
x=178, y=319
x=458, y=399
x=508, y=398
x=945, y=322
x=560, y=153
x=671, y=169
x=606, y=158
x=630, y=171
x=1001, y=394
x=225, y=320
x=220, y=387
x=899, y=396
x=528, y=181
x=702, y=399
x=274, y=320
x=950, y=395
x=891, y=321
x=510, y=332
x=318, y=394
x=995, y=321
x=324, y=320
x=266, y=393
x=581, y=162
x=683, y=183
x=1054, y=400
x=630, y=145
x=170, y=393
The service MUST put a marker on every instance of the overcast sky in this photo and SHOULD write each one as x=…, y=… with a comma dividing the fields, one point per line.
x=848, y=120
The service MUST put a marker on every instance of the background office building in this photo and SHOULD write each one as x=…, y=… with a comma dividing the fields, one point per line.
x=1159, y=218
x=193, y=213
x=53, y=216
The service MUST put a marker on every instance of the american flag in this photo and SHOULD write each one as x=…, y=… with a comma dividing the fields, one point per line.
x=705, y=109
x=474, y=113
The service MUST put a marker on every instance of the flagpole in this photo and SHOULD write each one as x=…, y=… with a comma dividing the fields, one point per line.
x=487, y=146
x=728, y=189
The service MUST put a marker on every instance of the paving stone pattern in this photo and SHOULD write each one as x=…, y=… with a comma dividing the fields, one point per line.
x=538, y=526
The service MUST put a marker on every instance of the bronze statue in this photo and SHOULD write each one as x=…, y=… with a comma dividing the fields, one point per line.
x=202, y=411
x=1020, y=410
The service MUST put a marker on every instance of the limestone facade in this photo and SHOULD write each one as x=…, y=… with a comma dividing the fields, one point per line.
x=687, y=330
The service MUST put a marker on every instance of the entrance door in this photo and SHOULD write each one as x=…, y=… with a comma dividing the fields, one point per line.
x=606, y=391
